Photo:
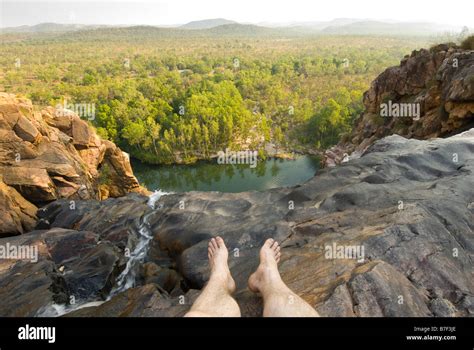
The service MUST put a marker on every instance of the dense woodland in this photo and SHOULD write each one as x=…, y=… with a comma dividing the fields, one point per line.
x=171, y=99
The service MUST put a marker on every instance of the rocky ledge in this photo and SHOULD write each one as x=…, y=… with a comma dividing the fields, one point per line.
x=51, y=154
x=405, y=206
x=440, y=81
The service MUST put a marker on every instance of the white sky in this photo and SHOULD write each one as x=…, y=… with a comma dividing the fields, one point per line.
x=19, y=12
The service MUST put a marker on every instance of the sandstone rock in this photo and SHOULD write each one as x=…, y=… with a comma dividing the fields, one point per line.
x=402, y=210
x=26, y=130
x=18, y=215
x=61, y=121
x=80, y=133
x=166, y=278
x=50, y=154
x=441, y=81
x=33, y=183
x=120, y=176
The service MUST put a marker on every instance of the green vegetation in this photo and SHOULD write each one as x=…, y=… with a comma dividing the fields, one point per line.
x=168, y=98
x=468, y=43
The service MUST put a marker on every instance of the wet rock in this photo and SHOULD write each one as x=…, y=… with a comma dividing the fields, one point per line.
x=90, y=271
x=69, y=266
x=25, y=288
x=144, y=301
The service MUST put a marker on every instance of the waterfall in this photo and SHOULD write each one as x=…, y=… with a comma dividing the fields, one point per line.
x=127, y=277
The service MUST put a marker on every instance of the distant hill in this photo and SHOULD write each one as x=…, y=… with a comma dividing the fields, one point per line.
x=49, y=28
x=386, y=28
x=237, y=29
x=224, y=27
x=207, y=23
x=320, y=25
x=151, y=32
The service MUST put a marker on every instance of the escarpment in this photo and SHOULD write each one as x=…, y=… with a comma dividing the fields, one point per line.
x=438, y=82
x=50, y=154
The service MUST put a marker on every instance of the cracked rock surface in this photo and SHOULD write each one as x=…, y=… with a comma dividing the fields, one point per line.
x=406, y=206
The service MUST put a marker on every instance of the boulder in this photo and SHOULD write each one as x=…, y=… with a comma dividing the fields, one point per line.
x=18, y=215
x=26, y=130
x=80, y=132
x=33, y=183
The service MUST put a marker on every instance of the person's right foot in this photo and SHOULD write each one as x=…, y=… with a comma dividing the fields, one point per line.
x=267, y=272
x=218, y=255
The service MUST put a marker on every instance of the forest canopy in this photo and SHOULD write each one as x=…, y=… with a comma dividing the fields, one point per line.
x=167, y=100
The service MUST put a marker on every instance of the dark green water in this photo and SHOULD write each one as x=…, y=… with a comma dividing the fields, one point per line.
x=210, y=176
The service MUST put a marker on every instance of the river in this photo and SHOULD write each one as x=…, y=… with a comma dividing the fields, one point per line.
x=210, y=176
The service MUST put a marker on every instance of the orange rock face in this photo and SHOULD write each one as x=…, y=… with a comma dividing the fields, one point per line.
x=47, y=155
x=440, y=81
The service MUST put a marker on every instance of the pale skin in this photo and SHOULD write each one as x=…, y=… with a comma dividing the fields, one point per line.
x=278, y=300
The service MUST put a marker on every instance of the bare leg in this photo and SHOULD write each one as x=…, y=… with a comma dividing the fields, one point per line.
x=215, y=299
x=278, y=299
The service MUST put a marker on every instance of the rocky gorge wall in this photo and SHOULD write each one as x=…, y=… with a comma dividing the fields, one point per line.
x=50, y=154
x=440, y=81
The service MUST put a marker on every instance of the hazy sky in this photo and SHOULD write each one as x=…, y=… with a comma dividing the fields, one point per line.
x=15, y=13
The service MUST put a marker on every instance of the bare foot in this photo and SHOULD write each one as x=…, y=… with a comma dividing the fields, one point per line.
x=267, y=272
x=218, y=255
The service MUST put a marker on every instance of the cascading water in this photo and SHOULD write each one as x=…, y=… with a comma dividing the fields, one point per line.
x=127, y=277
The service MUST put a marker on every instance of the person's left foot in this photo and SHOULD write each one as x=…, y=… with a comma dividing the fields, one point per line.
x=218, y=255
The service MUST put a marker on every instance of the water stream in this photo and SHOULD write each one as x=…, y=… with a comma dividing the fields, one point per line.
x=127, y=277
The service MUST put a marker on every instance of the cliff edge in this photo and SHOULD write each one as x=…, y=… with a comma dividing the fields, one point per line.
x=50, y=154
x=430, y=94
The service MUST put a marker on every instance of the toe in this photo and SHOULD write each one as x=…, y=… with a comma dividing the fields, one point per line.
x=268, y=243
x=274, y=245
x=220, y=242
x=214, y=244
